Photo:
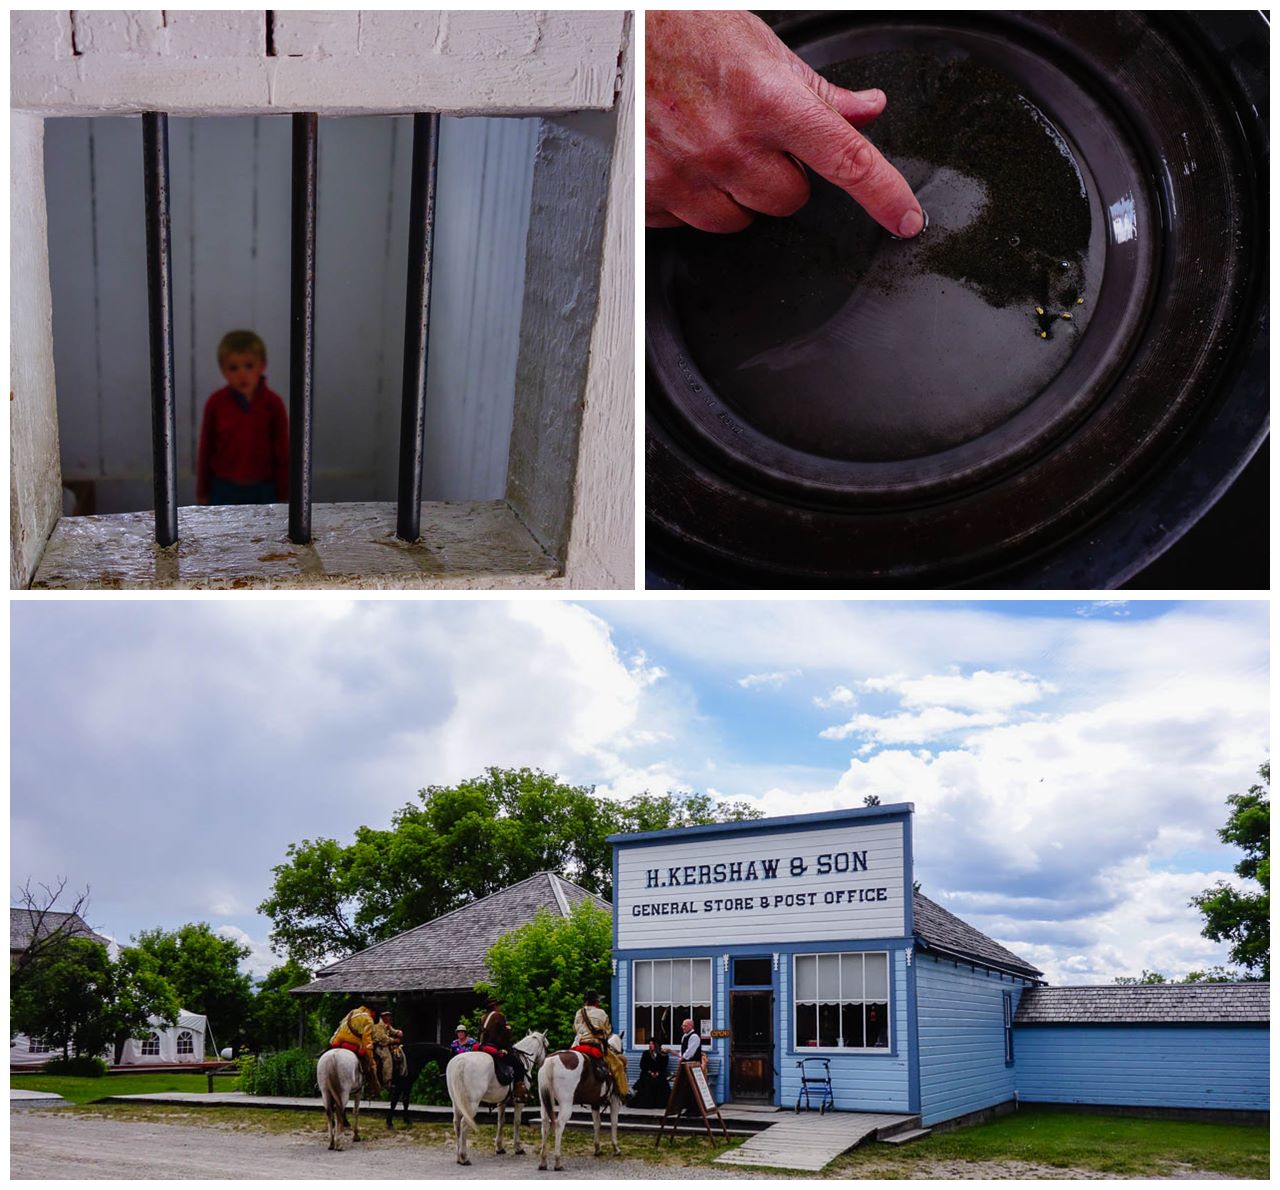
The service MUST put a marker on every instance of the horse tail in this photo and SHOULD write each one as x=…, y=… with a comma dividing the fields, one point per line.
x=546, y=1096
x=457, y=1095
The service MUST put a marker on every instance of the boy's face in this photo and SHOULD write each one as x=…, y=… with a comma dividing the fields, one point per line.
x=243, y=370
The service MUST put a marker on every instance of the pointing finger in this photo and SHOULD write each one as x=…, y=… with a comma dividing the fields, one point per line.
x=820, y=137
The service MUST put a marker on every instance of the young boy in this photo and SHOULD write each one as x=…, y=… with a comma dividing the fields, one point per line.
x=243, y=456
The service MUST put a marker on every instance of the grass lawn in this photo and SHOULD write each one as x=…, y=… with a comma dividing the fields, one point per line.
x=88, y=1090
x=1065, y=1140
x=1028, y=1144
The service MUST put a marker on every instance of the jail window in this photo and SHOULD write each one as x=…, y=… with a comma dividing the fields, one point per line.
x=437, y=295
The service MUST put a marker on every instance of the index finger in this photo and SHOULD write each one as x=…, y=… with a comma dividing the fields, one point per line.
x=820, y=137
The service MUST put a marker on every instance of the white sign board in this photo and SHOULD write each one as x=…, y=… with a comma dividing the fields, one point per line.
x=700, y=1081
x=826, y=884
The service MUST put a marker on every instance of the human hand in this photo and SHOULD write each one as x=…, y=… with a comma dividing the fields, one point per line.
x=730, y=113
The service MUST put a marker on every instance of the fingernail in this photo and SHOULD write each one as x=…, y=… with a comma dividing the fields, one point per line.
x=872, y=96
x=912, y=225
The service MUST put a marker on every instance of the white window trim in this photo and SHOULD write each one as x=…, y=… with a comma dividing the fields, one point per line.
x=190, y=1040
x=887, y=1048
x=707, y=1041
x=148, y=1040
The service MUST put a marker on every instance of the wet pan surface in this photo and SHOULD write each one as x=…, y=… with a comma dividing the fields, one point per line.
x=832, y=405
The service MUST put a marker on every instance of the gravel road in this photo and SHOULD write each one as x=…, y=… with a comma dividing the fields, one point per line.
x=55, y=1143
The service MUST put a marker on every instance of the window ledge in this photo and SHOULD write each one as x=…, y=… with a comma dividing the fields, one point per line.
x=465, y=545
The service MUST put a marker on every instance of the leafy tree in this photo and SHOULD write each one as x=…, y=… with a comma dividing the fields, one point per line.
x=204, y=970
x=138, y=991
x=77, y=1000
x=1242, y=917
x=541, y=970
x=275, y=1017
x=1214, y=975
x=871, y=799
x=454, y=844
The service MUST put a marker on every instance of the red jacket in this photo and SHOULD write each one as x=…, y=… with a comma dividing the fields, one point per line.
x=244, y=445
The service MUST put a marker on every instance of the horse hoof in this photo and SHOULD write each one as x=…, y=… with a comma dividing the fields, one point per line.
x=542, y=1165
x=519, y=1152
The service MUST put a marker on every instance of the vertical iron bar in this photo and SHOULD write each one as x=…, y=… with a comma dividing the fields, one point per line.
x=302, y=325
x=417, y=318
x=164, y=443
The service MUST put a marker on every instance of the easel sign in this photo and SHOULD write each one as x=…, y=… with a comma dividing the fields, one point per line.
x=691, y=1089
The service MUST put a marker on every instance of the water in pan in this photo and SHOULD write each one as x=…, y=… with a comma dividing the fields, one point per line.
x=832, y=337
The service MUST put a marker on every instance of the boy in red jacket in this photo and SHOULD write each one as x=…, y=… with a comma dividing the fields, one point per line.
x=243, y=456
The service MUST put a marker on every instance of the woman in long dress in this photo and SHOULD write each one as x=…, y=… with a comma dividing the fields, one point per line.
x=653, y=1090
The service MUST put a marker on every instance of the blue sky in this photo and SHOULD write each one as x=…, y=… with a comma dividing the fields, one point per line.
x=1068, y=761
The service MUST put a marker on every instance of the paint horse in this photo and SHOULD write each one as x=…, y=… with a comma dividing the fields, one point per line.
x=472, y=1080
x=339, y=1077
x=569, y=1077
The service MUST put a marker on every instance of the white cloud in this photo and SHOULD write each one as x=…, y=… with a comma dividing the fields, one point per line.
x=837, y=696
x=982, y=690
x=260, y=959
x=910, y=727
x=772, y=680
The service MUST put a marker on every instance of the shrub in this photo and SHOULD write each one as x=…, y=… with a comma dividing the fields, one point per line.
x=429, y=1087
x=291, y=1072
x=81, y=1066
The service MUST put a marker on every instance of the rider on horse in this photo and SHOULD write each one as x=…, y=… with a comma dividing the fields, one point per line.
x=495, y=1040
x=356, y=1034
x=591, y=1030
x=388, y=1050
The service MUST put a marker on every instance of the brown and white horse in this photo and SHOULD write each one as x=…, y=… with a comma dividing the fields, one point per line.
x=471, y=1080
x=566, y=1079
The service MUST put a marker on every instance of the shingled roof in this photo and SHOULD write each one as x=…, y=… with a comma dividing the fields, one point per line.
x=1156, y=1004
x=23, y=924
x=447, y=953
x=944, y=932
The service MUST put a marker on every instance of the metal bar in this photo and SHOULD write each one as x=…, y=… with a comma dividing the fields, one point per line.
x=164, y=440
x=417, y=319
x=302, y=318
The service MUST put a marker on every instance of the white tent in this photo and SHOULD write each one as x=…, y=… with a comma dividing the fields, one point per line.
x=168, y=1045
x=165, y=1045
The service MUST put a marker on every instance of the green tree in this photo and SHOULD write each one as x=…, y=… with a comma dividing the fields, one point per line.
x=1242, y=916
x=454, y=844
x=541, y=970
x=275, y=1017
x=138, y=992
x=77, y=1000
x=204, y=970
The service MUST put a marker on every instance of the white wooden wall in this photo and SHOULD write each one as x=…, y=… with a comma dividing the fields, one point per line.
x=230, y=193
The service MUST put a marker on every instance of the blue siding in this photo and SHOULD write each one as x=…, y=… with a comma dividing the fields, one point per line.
x=860, y=1082
x=960, y=1016
x=1144, y=1066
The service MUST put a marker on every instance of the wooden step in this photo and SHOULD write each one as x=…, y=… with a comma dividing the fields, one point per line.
x=902, y=1138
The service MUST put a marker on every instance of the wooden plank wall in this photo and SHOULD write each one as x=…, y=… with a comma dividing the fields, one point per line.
x=230, y=193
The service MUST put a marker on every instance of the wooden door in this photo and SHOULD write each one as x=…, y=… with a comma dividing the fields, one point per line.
x=751, y=1046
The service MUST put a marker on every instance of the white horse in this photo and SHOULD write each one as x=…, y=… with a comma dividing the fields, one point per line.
x=340, y=1078
x=472, y=1081
x=562, y=1085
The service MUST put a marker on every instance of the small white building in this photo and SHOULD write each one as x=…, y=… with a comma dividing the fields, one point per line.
x=166, y=1045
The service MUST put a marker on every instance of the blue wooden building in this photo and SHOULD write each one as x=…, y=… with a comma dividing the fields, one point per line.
x=799, y=940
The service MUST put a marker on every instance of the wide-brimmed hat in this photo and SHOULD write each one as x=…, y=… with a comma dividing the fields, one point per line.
x=493, y=1002
x=592, y=998
x=461, y=1028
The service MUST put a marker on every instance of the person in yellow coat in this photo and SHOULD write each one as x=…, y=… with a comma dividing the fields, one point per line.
x=355, y=1033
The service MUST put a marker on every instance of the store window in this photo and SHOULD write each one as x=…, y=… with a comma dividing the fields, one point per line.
x=186, y=1044
x=842, y=1001
x=667, y=992
x=151, y=1045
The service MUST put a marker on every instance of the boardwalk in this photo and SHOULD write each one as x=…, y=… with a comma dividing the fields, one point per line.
x=807, y=1141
